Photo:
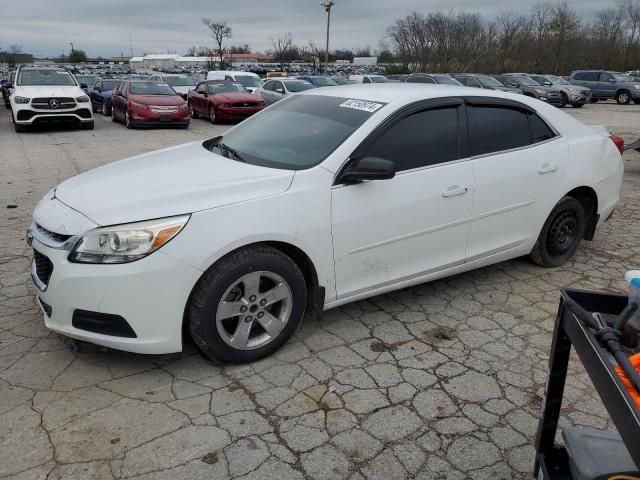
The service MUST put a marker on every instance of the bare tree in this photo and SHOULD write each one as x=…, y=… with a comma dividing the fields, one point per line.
x=219, y=31
x=282, y=48
x=541, y=13
x=511, y=27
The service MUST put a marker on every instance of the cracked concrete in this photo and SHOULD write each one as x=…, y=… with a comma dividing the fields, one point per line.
x=442, y=380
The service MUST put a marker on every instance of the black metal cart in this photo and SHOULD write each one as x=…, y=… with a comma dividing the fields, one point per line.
x=552, y=461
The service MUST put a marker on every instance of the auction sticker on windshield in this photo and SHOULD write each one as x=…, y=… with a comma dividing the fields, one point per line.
x=361, y=105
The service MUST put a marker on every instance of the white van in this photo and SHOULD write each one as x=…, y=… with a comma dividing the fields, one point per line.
x=249, y=80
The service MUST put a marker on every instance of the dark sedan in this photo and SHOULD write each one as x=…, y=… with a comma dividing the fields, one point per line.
x=101, y=94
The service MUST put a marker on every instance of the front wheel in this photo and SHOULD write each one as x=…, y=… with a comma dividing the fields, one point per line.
x=637, y=101
x=212, y=114
x=247, y=305
x=105, y=109
x=564, y=101
x=127, y=120
x=561, y=234
x=623, y=97
x=578, y=105
x=192, y=112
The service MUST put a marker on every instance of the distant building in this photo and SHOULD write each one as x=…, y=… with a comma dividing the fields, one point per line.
x=10, y=60
x=365, y=60
x=168, y=61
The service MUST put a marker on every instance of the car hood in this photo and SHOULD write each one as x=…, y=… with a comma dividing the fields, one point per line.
x=235, y=97
x=567, y=88
x=48, y=91
x=173, y=181
x=507, y=89
x=164, y=100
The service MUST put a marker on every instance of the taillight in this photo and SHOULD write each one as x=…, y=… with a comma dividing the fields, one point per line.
x=618, y=141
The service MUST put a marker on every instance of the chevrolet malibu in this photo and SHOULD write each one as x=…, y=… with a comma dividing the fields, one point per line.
x=327, y=197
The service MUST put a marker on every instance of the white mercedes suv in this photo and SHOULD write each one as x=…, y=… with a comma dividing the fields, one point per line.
x=48, y=94
x=329, y=196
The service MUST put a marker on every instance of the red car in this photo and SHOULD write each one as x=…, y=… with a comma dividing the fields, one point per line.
x=222, y=100
x=145, y=103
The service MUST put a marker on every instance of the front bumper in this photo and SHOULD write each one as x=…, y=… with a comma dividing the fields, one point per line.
x=149, y=294
x=553, y=98
x=151, y=118
x=23, y=114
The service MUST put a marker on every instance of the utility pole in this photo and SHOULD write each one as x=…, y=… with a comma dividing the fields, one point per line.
x=327, y=4
x=71, y=43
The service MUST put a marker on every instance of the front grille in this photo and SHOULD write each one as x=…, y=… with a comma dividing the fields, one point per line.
x=44, y=267
x=163, y=109
x=44, y=103
x=58, y=237
x=244, y=104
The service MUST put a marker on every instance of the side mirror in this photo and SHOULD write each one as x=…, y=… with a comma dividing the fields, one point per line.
x=84, y=85
x=280, y=90
x=612, y=80
x=548, y=83
x=8, y=85
x=367, y=168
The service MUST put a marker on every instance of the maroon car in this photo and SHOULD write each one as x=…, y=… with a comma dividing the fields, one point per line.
x=222, y=100
x=145, y=103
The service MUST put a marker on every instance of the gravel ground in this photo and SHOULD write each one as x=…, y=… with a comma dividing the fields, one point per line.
x=443, y=380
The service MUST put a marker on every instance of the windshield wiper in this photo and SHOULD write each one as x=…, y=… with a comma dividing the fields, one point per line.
x=230, y=151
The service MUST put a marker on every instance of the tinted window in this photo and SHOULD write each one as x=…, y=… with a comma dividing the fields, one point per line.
x=589, y=76
x=298, y=86
x=366, y=80
x=278, y=86
x=150, y=88
x=605, y=77
x=540, y=131
x=419, y=79
x=268, y=85
x=45, y=76
x=494, y=129
x=200, y=88
x=425, y=138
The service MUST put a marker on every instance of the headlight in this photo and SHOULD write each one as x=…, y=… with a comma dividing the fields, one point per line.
x=126, y=243
x=139, y=105
x=21, y=99
x=540, y=91
x=636, y=86
x=82, y=99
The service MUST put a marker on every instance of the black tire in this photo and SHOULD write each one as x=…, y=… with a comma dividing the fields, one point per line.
x=594, y=100
x=7, y=105
x=578, y=105
x=88, y=125
x=561, y=234
x=636, y=101
x=192, y=112
x=623, y=97
x=127, y=120
x=114, y=118
x=206, y=296
x=106, y=111
x=212, y=114
x=564, y=101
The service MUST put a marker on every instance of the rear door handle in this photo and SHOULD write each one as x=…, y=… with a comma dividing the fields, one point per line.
x=454, y=190
x=547, y=168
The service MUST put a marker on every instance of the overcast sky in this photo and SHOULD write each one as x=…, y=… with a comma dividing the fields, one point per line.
x=103, y=27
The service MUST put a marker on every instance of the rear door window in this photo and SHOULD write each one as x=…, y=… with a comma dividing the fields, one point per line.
x=540, y=131
x=497, y=128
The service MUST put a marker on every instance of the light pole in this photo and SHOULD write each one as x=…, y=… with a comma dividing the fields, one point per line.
x=327, y=4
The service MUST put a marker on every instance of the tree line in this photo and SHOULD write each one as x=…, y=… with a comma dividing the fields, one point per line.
x=550, y=38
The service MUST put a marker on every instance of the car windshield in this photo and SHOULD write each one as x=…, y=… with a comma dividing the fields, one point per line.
x=620, y=77
x=298, y=85
x=88, y=79
x=180, y=81
x=489, y=82
x=150, y=88
x=530, y=82
x=446, y=80
x=540, y=79
x=248, y=81
x=558, y=80
x=297, y=132
x=226, y=87
x=33, y=77
x=378, y=79
x=324, y=82
x=110, y=84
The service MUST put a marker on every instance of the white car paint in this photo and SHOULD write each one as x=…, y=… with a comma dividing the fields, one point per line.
x=363, y=239
x=49, y=91
x=233, y=75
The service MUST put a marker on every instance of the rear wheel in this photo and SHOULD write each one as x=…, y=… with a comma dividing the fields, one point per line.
x=623, y=97
x=637, y=101
x=114, y=119
x=578, y=105
x=247, y=305
x=561, y=234
x=105, y=109
x=594, y=100
x=212, y=114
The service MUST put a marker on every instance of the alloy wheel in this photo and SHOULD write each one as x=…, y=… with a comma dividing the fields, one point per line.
x=212, y=114
x=254, y=310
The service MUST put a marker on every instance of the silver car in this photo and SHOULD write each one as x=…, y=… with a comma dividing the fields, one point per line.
x=276, y=89
x=573, y=95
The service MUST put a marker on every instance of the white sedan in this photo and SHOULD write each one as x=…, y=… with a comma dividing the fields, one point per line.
x=327, y=197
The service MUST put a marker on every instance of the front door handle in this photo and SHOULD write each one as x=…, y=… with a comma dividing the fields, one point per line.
x=454, y=190
x=547, y=168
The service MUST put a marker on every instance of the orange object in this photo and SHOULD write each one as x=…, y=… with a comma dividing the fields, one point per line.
x=635, y=362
